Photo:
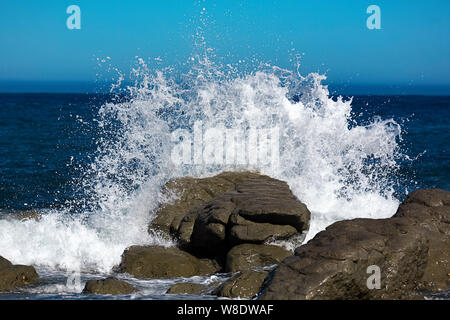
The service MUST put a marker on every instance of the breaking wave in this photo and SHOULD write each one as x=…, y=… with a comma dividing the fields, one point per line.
x=337, y=167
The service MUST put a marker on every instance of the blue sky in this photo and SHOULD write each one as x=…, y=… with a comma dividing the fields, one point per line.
x=411, y=49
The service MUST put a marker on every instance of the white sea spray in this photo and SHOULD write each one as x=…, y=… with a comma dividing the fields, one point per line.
x=339, y=169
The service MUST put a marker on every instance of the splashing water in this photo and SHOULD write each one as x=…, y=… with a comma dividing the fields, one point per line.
x=340, y=169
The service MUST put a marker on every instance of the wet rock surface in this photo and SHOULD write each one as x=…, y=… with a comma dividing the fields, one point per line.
x=15, y=276
x=187, y=288
x=161, y=262
x=246, y=285
x=411, y=250
x=250, y=256
x=109, y=285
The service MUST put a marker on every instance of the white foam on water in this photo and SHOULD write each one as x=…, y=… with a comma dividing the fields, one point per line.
x=340, y=169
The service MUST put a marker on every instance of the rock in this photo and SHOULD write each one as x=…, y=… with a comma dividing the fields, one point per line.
x=187, y=288
x=109, y=285
x=26, y=215
x=258, y=210
x=334, y=264
x=430, y=197
x=250, y=256
x=245, y=231
x=430, y=208
x=161, y=262
x=203, y=230
x=14, y=276
x=411, y=249
x=4, y=263
x=244, y=285
x=192, y=193
x=268, y=200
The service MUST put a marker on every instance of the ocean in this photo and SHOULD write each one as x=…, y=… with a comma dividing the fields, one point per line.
x=93, y=164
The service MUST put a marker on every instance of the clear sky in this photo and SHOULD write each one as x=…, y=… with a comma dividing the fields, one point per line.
x=412, y=48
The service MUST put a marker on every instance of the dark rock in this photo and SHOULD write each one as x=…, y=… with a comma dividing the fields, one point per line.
x=4, y=263
x=187, y=288
x=14, y=276
x=258, y=210
x=161, y=262
x=109, y=285
x=430, y=197
x=203, y=230
x=268, y=200
x=334, y=264
x=244, y=284
x=245, y=231
x=193, y=192
x=411, y=249
x=250, y=256
x=430, y=208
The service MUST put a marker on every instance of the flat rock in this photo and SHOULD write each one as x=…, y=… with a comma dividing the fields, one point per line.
x=161, y=262
x=270, y=201
x=187, y=288
x=109, y=285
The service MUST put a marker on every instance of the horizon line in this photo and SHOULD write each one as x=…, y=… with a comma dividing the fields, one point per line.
x=97, y=87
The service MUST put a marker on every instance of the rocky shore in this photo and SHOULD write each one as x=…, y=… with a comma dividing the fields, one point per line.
x=411, y=250
x=234, y=223
x=221, y=224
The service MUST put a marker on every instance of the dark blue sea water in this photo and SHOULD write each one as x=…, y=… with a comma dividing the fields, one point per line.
x=45, y=137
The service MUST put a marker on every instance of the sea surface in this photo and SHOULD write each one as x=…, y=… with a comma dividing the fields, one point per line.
x=43, y=135
x=92, y=165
